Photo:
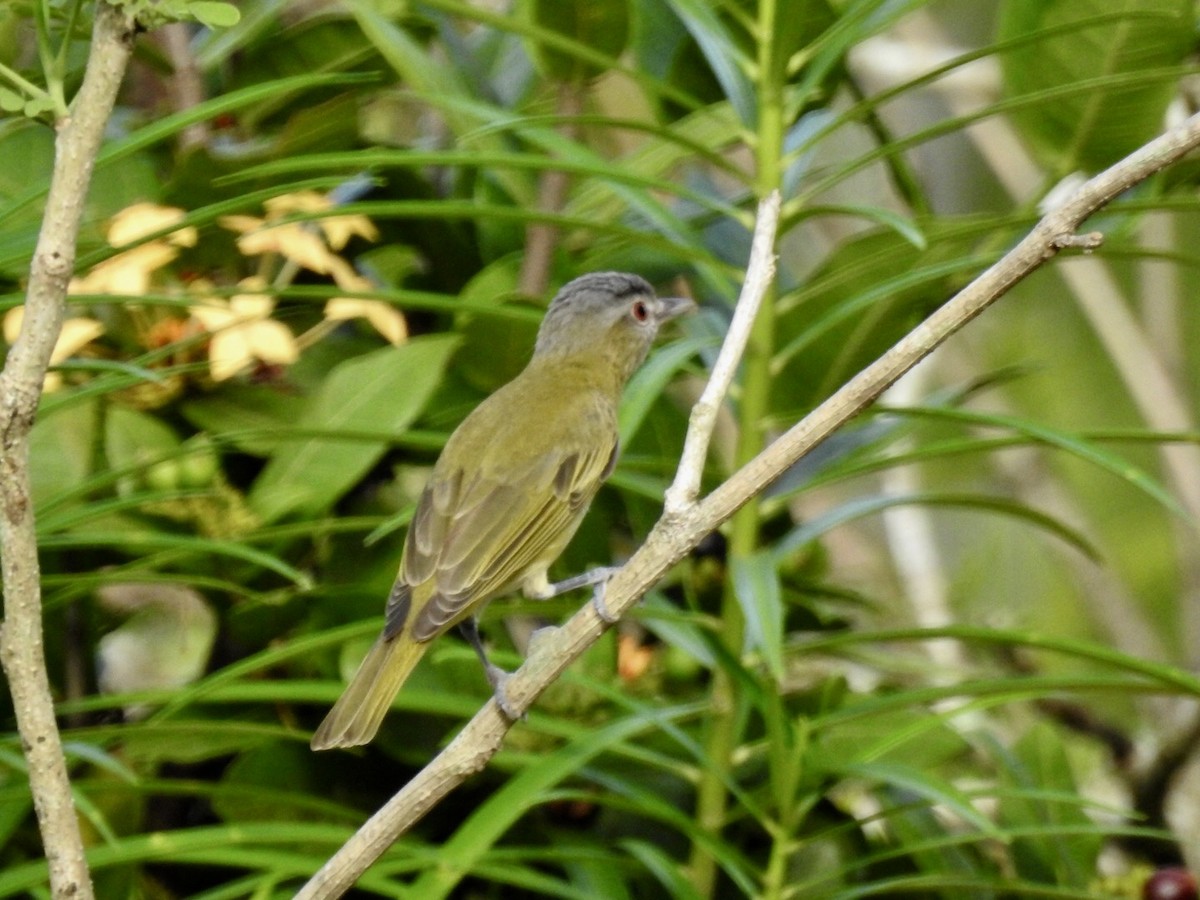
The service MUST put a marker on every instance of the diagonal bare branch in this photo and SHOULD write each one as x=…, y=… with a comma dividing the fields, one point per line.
x=674, y=536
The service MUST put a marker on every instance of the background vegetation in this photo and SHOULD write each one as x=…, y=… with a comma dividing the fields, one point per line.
x=948, y=655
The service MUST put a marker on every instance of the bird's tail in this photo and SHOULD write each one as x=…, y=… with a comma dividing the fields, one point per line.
x=355, y=718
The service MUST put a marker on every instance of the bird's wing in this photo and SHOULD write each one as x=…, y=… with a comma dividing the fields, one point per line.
x=473, y=536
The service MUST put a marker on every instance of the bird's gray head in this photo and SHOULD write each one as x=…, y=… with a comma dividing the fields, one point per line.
x=613, y=313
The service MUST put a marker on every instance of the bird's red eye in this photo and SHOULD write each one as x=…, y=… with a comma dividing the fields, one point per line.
x=640, y=312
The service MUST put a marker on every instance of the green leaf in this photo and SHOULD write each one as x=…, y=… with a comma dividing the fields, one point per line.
x=1077, y=445
x=729, y=61
x=602, y=25
x=15, y=805
x=248, y=416
x=1098, y=125
x=214, y=14
x=1039, y=764
x=678, y=631
x=263, y=771
x=385, y=389
x=924, y=784
x=756, y=583
x=260, y=846
x=418, y=70
x=663, y=867
x=861, y=507
x=907, y=735
x=11, y=101
x=32, y=191
x=647, y=385
x=38, y=106
x=902, y=225
x=864, y=297
x=61, y=451
x=494, y=351
x=138, y=542
x=153, y=743
x=1167, y=678
x=27, y=149
x=138, y=440
x=488, y=821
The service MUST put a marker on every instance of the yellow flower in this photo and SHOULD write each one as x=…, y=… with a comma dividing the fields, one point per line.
x=306, y=244
x=128, y=273
x=292, y=241
x=337, y=229
x=76, y=334
x=243, y=331
x=386, y=319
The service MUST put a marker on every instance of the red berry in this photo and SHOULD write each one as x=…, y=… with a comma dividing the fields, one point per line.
x=1174, y=883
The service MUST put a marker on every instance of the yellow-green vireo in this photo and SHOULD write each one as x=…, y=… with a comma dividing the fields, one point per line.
x=510, y=489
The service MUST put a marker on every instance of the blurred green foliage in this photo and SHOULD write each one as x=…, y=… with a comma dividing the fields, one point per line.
x=919, y=666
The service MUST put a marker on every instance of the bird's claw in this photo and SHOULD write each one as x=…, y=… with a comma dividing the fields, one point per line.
x=598, y=604
x=498, y=679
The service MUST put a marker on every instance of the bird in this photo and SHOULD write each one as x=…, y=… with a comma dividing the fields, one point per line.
x=509, y=490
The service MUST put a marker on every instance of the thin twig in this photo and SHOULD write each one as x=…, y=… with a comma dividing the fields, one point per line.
x=185, y=86
x=673, y=537
x=21, y=655
x=542, y=238
x=760, y=272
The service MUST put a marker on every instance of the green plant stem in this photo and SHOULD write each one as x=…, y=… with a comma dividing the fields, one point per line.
x=22, y=84
x=68, y=30
x=775, y=876
x=723, y=731
x=53, y=63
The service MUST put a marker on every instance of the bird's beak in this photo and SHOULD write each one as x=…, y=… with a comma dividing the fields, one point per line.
x=672, y=307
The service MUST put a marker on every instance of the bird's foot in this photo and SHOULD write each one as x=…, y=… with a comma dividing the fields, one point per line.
x=586, y=579
x=498, y=679
x=606, y=615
